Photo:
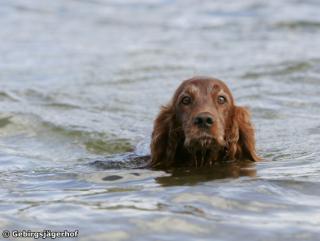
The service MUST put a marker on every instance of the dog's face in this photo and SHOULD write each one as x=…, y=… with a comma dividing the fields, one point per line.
x=202, y=125
x=203, y=110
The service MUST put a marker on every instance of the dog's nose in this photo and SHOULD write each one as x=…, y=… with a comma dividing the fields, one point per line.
x=203, y=120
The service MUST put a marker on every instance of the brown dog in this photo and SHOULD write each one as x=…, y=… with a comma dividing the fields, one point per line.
x=201, y=126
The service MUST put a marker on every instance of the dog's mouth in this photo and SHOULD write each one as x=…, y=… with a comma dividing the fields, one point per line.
x=201, y=142
x=204, y=150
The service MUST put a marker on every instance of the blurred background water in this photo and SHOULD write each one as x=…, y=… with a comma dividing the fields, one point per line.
x=82, y=80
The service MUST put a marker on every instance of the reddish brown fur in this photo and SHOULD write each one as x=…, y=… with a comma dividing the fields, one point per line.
x=179, y=140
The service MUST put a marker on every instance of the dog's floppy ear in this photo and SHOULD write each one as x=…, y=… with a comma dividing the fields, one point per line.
x=163, y=141
x=241, y=137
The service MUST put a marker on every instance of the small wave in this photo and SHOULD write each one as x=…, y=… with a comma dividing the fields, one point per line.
x=121, y=161
x=4, y=121
x=279, y=69
x=298, y=25
x=8, y=96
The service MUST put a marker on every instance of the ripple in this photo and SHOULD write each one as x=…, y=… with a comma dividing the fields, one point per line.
x=8, y=96
x=298, y=25
x=282, y=69
x=267, y=113
x=169, y=224
x=60, y=105
x=5, y=121
x=109, y=146
x=121, y=161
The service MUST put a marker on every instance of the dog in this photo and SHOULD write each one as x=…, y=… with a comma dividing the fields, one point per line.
x=202, y=126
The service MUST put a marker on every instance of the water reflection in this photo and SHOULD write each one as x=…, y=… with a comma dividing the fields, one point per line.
x=177, y=176
x=187, y=176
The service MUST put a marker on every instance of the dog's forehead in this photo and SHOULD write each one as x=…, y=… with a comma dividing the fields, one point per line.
x=205, y=86
x=192, y=89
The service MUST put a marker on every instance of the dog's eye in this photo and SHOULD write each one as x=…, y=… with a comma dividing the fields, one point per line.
x=186, y=100
x=222, y=99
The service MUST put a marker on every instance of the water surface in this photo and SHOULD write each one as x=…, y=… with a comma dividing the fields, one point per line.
x=81, y=82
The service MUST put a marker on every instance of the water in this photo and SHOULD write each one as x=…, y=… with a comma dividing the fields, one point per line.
x=81, y=82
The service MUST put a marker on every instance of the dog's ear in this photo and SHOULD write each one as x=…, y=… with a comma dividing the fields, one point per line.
x=164, y=140
x=241, y=136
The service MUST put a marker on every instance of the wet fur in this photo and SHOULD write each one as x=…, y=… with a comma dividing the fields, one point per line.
x=173, y=144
